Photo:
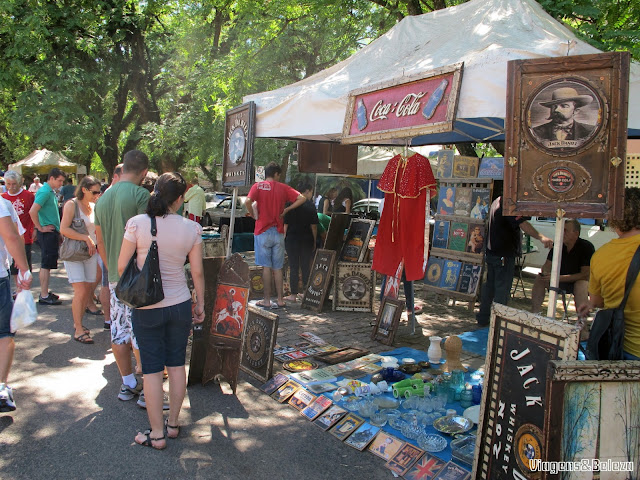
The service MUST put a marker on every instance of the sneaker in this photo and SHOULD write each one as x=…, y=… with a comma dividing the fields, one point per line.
x=51, y=294
x=6, y=399
x=49, y=300
x=127, y=393
x=142, y=404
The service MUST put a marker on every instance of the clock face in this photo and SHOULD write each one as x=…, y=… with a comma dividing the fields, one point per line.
x=237, y=143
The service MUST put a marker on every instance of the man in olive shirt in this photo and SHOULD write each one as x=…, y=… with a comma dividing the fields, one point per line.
x=46, y=220
x=117, y=205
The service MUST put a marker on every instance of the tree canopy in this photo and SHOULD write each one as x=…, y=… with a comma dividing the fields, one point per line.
x=96, y=78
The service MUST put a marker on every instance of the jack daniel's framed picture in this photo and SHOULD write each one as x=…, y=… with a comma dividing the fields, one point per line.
x=566, y=135
x=317, y=286
x=355, y=246
x=353, y=287
x=239, y=134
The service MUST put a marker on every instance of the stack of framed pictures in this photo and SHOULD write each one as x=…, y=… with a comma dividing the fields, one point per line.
x=459, y=237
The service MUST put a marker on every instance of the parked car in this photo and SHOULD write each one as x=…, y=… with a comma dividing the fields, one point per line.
x=596, y=234
x=222, y=209
x=367, y=208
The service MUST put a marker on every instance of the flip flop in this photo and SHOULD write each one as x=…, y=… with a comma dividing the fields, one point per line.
x=276, y=306
x=148, y=442
x=97, y=312
x=84, y=338
x=262, y=305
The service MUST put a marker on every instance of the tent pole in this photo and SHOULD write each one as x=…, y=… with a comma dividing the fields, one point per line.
x=555, y=264
x=232, y=221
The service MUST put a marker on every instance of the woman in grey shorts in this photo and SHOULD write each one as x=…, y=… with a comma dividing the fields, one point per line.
x=82, y=275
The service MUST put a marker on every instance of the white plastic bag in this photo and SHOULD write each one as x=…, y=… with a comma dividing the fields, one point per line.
x=24, y=311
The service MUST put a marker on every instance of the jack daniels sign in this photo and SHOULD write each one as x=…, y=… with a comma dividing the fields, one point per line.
x=514, y=403
x=566, y=135
x=239, y=134
x=404, y=107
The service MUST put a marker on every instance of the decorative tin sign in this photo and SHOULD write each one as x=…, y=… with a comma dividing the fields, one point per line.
x=593, y=418
x=353, y=287
x=239, y=134
x=405, y=107
x=318, y=284
x=258, y=343
x=566, y=135
x=514, y=400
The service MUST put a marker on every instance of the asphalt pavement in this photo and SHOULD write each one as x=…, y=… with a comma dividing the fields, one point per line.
x=69, y=423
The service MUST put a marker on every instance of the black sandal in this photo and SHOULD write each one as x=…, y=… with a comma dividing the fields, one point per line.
x=84, y=338
x=167, y=427
x=148, y=442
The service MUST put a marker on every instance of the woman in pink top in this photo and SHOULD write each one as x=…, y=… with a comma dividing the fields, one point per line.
x=162, y=329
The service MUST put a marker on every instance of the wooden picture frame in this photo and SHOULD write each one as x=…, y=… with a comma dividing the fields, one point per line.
x=346, y=426
x=239, y=135
x=566, y=135
x=387, y=321
x=355, y=245
x=465, y=167
x=520, y=347
x=353, y=287
x=330, y=417
x=593, y=412
x=404, y=107
x=317, y=286
x=258, y=343
x=341, y=355
x=363, y=436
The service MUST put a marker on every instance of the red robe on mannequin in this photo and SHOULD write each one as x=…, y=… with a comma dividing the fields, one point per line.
x=401, y=232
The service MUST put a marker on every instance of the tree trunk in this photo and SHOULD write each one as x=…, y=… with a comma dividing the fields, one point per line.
x=466, y=149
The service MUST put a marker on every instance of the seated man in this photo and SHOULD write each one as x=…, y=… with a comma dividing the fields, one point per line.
x=574, y=268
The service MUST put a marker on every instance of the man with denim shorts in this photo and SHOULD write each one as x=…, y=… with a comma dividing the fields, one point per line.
x=118, y=204
x=11, y=243
x=46, y=219
x=271, y=197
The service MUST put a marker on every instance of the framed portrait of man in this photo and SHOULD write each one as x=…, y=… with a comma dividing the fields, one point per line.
x=566, y=135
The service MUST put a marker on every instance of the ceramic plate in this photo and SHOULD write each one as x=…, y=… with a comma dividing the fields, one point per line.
x=473, y=414
x=453, y=424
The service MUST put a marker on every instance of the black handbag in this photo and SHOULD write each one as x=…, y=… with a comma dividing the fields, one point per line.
x=141, y=288
x=73, y=250
x=606, y=337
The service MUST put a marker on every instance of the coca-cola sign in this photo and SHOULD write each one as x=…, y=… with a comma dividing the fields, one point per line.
x=404, y=108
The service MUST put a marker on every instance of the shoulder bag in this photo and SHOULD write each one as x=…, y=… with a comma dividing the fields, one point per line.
x=73, y=250
x=141, y=288
x=606, y=337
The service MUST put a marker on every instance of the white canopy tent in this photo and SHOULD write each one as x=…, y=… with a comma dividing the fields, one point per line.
x=42, y=161
x=484, y=34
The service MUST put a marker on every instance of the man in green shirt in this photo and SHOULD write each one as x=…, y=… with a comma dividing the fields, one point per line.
x=46, y=220
x=117, y=205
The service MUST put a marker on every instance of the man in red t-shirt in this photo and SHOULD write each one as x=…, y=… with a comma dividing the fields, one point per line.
x=22, y=200
x=271, y=197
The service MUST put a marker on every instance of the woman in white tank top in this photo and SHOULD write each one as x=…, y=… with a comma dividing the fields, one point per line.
x=82, y=275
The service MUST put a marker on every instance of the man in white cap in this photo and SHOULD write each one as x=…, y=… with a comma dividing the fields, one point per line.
x=564, y=104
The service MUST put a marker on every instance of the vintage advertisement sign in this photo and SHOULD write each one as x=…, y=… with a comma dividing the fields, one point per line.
x=510, y=432
x=239, y=134
x=317, y=286
x=258, y=343
x=566, y=135
x=405, y=107
x=353, y=287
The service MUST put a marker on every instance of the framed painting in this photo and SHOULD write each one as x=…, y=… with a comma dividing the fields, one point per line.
x=514, y=400
x=258, y=343
x=274, y=383
x=465, y=167
x=283, y=393
x=353, y=288
x=317, y=286
x=387, y=321
x=566, y=135
x=444, y=163
x=239, y=134
x=357, y=241
x=330, y=417
x=341, y=355
x=301, y=399
x=315, y=408
x=346, y=426
x=404, y=459
x=362, y=436
x=229, y=311
x=385, y=445
x=593, y=413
